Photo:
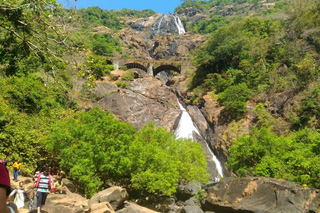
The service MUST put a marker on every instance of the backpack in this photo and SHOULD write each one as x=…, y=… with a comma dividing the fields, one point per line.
x=38, y=181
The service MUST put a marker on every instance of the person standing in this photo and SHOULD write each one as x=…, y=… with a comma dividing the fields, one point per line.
x=43, y=185
x=19, y=198
x=16, y=168
x=5, y=191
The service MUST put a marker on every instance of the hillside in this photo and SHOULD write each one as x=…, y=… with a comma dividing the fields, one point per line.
x=254, y=83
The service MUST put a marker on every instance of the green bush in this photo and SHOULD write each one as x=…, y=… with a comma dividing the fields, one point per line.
x=122, y=84
x=294, y=157
x=95, y=68
x=94, y=147
x=128, y=76
x=234, y=99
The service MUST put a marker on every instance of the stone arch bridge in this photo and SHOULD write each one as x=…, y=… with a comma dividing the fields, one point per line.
x=151, y=67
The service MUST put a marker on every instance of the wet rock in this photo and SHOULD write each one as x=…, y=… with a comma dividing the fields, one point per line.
x=199, y=120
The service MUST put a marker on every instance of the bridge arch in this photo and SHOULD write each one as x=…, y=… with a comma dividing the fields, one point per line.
x=135, y=65
x=109, y=62
x=165, y=67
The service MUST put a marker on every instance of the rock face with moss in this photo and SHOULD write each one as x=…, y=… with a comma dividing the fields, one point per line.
x=160, y=37
x=253, y=195
x=145, y=100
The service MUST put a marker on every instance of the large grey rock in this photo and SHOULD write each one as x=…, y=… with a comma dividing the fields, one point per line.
x=103, y=88
x=69, y=184
x=192, y=209
x=104, y=207
x=263, y=195
x=134, y=208
x=66, y=204
x=147, y=100
x=185, y=192
x=192, y=188
x=193, y=201
x=115, y=195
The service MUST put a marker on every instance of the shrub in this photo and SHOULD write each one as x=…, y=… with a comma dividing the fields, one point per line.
x=122, y=84
x=234, y=99
x=128, y=76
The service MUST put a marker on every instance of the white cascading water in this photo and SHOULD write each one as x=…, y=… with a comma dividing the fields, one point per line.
x=159, y=25
x=179, y=25
x=185, y=130
x=185, y=126
x=177, y=22
x=216, y=161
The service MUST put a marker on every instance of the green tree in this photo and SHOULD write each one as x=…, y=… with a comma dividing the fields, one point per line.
x=31, y=27
x=93, y=147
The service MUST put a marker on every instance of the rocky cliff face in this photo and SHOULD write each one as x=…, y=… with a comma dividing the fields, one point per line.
x=160, y=37
x=147, y=100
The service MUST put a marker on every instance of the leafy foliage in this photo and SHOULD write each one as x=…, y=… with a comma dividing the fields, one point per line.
x=128, y=76
x=93, y=147
x=94, y=68
x=263, y=153
x=98, y=16
x=31, y=27
x=234, y=98
x=105, y=45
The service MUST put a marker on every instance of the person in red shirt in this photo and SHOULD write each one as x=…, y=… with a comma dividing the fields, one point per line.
x=5, y=191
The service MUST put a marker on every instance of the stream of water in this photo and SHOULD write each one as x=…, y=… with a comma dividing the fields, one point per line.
x=186, y=128
x=177, y=22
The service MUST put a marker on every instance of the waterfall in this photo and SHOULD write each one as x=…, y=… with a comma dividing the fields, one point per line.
x=186, y=128
x=159, y=25
x=179, y=25
x=176, y=21
x=216, y=161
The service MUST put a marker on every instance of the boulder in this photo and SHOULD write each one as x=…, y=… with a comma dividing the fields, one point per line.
x=265, y=195
x=192, y=209
x=69, y=184
x=104, y=207
x=134, y=208
x=192, y=202
x=185, y=192
x=115, y=195
x=66, y=204
x=192, y=188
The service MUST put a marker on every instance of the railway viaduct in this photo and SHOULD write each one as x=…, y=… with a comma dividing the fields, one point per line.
x=151, y=67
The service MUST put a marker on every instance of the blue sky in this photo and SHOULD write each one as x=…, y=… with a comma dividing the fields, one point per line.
x=160, y=6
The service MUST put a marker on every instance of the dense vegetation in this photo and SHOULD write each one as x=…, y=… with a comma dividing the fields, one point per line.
x=94, y=148
x=262, y=60
x=219, y=13
x=41, y=122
